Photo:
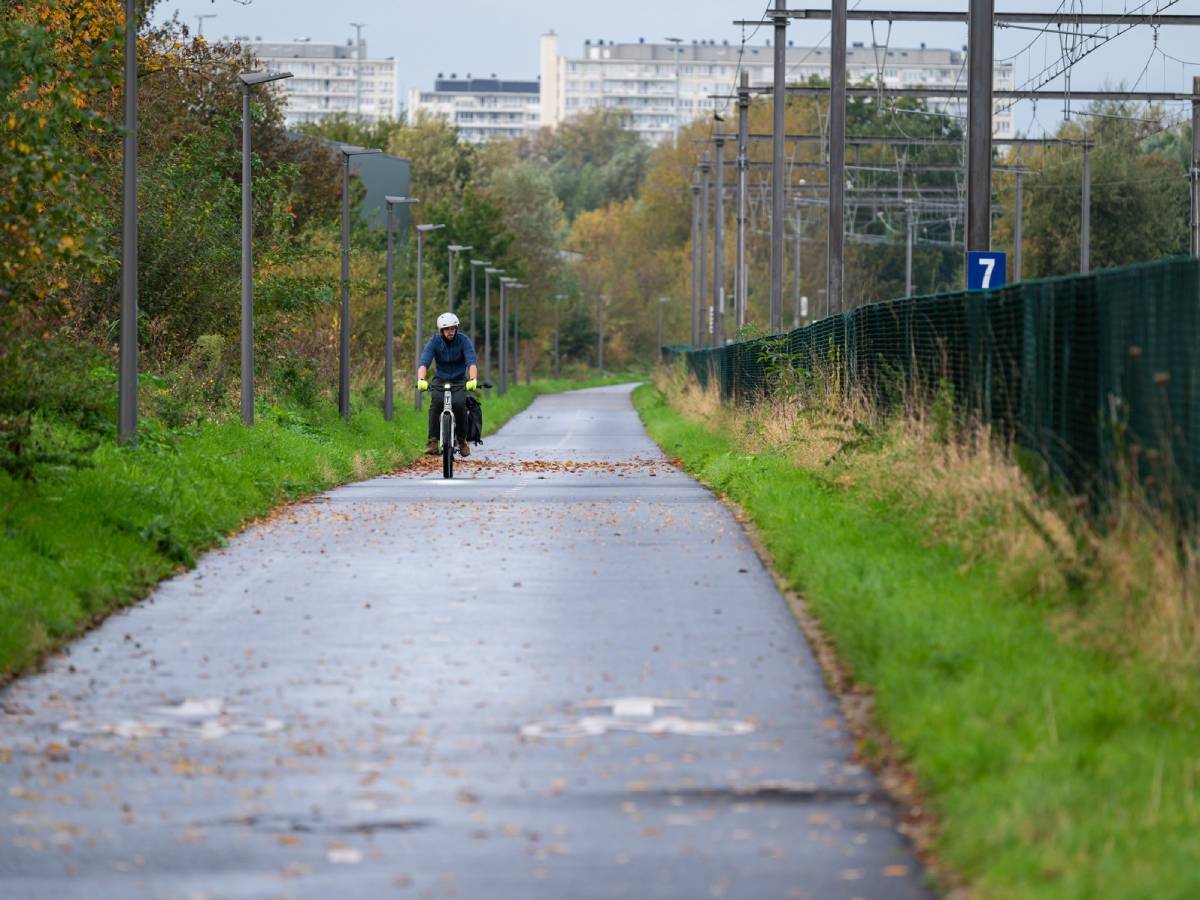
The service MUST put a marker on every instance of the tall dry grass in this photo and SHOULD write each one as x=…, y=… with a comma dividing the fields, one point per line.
x=1126, y=580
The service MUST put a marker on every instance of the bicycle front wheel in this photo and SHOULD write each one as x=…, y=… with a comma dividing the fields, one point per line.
x=447, y=446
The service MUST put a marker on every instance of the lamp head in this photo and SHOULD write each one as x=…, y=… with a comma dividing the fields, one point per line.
x=249, y=79
x=349, y=150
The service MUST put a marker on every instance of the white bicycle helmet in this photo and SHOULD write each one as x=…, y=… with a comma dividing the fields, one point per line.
x=447, y=320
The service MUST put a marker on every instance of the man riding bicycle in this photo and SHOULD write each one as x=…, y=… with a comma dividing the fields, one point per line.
x=455, y=355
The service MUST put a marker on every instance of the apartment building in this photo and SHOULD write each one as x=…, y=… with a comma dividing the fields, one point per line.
x=330, y=79
x=482, y=109
x=664, y=86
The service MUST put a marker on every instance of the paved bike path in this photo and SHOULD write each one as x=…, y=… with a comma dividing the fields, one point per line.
x=563, y=674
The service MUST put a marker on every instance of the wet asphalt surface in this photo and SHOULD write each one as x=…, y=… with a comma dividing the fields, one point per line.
x=564, y=674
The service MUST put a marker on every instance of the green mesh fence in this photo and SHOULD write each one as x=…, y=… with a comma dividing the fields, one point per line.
x=1085, y=370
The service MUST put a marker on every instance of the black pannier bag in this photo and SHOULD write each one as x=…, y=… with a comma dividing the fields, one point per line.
x=474, y=421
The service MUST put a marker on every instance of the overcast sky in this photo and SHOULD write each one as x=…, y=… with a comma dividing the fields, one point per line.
x=472, y=36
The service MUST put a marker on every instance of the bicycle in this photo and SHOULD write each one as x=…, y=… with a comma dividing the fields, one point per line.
x=447, y=438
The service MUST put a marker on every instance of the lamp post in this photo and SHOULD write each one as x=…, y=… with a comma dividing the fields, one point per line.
x=422, y=230
x=487, y=318
x=675, y=112
x=127, y=386
x=600, y=329
x=389, y=346
x=505, y=283
x=454, y=249
x=347, y=151
x=558, y=299
x=662, y=302
x=516, y=285
x=475, y=263
x=358, y=61
x=249, y=80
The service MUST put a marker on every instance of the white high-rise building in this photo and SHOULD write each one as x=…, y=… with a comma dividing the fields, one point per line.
x=482, y=109
x=664, y=86
x=330, y=79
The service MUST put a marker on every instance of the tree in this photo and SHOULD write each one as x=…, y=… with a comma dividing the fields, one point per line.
x=347, y=129
x=442, y=165
x=592, y=160
x=1139, y=194
x=54, y=60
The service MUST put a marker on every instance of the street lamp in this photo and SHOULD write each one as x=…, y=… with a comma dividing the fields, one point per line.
x=454, y=249
x=487, y=319
x=474, y=263
x=600, y=329
x=347, y=151
x=422, y=230
x=358, y=60
x=558, y=299
x=675, y=112
x=662, y=302
x=505, y=282
x=249, y=80
x=517, y=336
x=200, y=22
x=389, y=325
x=127, y=380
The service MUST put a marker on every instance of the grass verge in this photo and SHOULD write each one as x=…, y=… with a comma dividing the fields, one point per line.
x=1056, y=770
x=77, y=543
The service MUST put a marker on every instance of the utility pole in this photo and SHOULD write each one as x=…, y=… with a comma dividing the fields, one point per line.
x=719, y=247
x=979, y=124
x=358, y=58
x=1085, y=216
x=1018, y=221
x=127, y=389
x=837, y=158
x=799, y=226
x=779, y=100
x=705, y=328
x=1195, y=173
x=695, y=264
x=910, y=225
x=739, y=278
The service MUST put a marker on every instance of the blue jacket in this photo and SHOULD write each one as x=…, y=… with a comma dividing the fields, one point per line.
x=452, y=357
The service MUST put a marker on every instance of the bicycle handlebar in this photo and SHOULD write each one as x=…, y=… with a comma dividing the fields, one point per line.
x=456, y=384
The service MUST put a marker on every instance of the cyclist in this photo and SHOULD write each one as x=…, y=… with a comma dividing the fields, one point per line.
x=455, y=356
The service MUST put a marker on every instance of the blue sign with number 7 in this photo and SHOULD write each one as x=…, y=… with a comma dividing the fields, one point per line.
x=986, y=270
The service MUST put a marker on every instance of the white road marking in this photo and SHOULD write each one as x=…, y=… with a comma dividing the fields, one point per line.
x=594, y=726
